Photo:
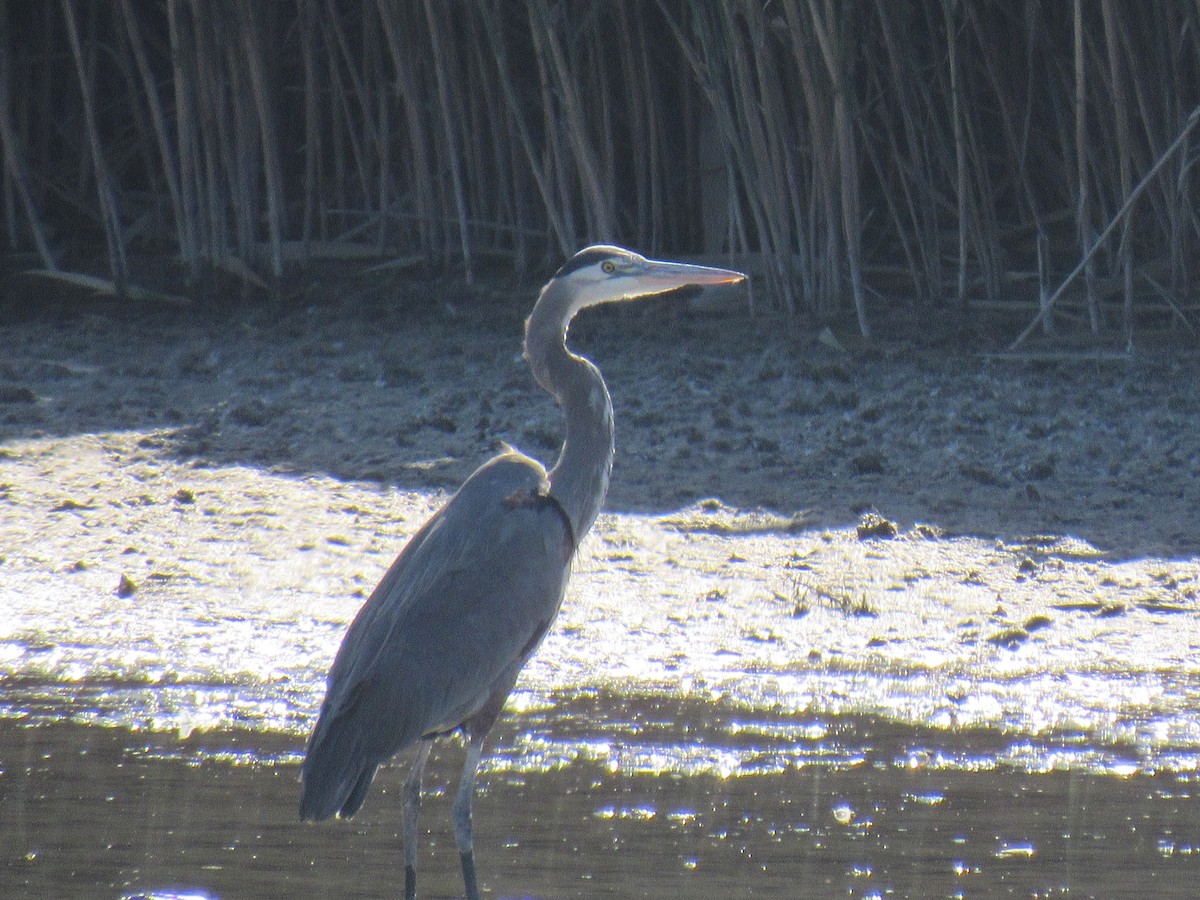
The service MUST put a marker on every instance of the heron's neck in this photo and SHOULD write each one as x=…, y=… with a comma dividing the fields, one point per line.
x=579, y=480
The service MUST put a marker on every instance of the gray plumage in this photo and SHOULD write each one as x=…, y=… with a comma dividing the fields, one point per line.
x=435, y=608
x=440, y=642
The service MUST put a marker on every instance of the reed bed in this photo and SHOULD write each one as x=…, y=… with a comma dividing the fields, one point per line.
x=1028, y=157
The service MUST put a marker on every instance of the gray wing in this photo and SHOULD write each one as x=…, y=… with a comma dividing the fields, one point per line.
x=456, y=616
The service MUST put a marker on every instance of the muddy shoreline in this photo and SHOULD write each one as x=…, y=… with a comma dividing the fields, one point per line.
x=417, y=387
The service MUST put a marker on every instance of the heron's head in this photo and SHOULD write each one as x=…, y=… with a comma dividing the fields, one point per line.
x=604, y=274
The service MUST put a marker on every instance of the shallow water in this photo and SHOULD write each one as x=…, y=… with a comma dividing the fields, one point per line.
x=725, y=708
x=873, y=811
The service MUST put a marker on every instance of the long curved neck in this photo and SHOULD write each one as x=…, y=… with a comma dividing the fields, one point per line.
x=579, y=480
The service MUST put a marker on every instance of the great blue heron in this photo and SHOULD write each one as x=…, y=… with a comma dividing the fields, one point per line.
x=438, y=645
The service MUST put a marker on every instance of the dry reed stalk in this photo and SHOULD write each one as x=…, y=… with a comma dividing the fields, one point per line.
x=560, y=226
x=167, y=158
x=449, y=115
x=252, y=48
x=1019, y=170
x=716, y=71
x=383, y=137
x=820, y=261
x=356, y=128
x=105, y=191
x=556, y=152
x=106, y=287
x=984, y=226
x=915, y=175
x=847, y=144
x=702, y=55
x=645, y=127
x=960, y=148
x=1192, y=120
x=186, y=141
x=752, y=109
x=501, y=181
x=1083, y=200
x=833, y=52
x=567, y=104
x=309, y=25
x=417, y=144
x=216, y=166
x=233, y=112
x=14, y=161
x=1124, y=161
x=762, y=106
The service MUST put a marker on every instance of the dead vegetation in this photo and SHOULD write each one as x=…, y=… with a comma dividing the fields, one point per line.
x=1034, y=157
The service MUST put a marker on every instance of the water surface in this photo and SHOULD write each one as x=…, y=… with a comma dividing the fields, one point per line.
x=871, y=812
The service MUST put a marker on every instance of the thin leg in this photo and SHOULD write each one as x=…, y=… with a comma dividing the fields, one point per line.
x=412, y=806
x=462, y=815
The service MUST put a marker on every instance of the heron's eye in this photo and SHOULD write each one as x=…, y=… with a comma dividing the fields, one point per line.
x=608, y=267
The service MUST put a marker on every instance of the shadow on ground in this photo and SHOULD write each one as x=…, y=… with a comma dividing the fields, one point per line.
x=416, y=385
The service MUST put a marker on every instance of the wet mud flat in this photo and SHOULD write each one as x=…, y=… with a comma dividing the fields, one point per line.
x=415, y=384
x=92, y=812
x=745, y=695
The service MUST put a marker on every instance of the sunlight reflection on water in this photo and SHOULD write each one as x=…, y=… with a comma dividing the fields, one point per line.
x=756, y=724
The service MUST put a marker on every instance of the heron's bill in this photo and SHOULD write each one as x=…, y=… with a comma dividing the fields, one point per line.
x=660, y=277
x=665, y=276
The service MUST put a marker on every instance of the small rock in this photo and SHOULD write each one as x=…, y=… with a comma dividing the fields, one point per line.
x=126, y=587
x=873, y=525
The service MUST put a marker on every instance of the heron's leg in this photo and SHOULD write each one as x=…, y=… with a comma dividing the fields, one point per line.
x=412, y=806
x=462, y=814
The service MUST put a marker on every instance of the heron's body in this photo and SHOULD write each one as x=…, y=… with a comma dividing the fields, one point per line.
x=387, y=687
x=440, y=642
